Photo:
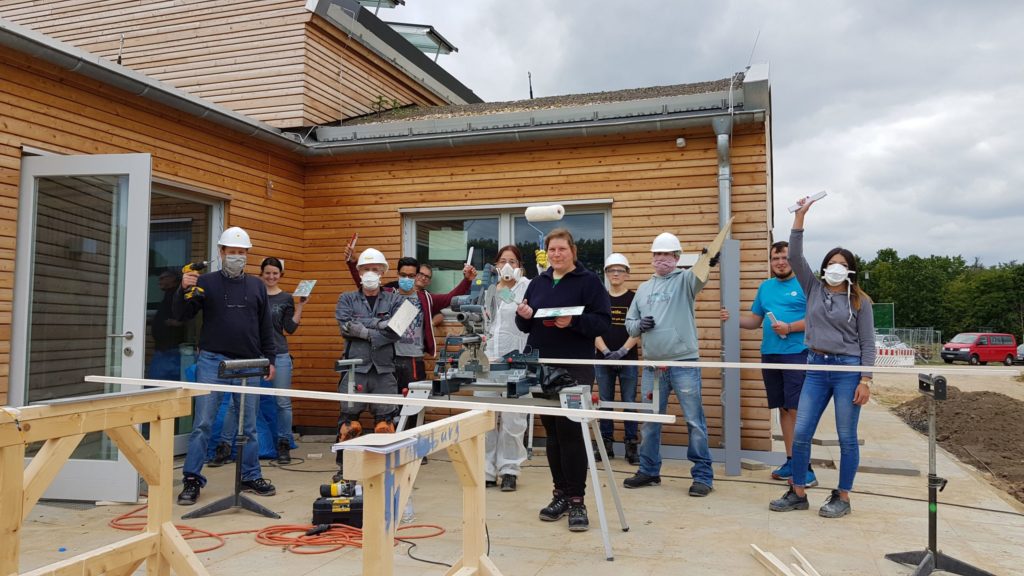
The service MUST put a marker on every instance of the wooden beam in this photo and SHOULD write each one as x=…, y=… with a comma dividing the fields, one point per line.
x=137, y=451
x=771, y=562
x=103, y=559
x=804, y=563
x=177, y=552
x=44, y=467
x=161, y=493
x=12, y=461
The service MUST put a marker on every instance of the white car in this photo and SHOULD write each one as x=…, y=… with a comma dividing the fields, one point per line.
x=888, y=341
x=1020, y=354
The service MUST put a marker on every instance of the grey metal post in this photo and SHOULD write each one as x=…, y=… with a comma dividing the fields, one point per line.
x=729, y=274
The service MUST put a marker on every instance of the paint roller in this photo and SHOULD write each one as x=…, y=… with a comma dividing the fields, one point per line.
x=549, y=213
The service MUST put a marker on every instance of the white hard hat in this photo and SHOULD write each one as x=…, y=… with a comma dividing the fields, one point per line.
x=372, y=256
x=616, y=258
x=666, y=242
x=235, y=237
x=687, y=261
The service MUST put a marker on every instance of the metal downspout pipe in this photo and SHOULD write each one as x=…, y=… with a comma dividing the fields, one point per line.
x=729, y=282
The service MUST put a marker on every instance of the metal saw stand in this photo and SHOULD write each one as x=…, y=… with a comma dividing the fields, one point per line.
x=238, y=370
x=931, y=558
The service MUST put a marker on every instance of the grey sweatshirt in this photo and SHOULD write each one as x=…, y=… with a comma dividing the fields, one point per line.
x=828, y=325
x=669, y=300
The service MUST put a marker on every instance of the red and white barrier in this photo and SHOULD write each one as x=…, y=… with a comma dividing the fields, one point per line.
x=894, y=357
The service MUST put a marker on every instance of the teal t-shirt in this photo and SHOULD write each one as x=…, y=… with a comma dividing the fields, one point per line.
x=785, y=299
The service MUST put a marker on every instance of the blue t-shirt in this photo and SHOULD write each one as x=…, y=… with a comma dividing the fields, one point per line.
x=785, y=299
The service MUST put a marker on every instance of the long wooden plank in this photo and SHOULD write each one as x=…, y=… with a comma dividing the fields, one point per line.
x=804, y=563
x=99, y=561
x=771, y=562
x=12, y=458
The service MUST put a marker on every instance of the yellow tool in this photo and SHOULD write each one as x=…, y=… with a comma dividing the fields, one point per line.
x=194, y=267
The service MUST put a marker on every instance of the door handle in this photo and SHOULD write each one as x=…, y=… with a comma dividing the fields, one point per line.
x=127, y=335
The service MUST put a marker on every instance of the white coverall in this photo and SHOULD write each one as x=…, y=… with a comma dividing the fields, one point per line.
x=503, y=446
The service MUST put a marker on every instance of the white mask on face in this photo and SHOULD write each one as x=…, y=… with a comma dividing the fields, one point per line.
x=233, y=265
x=370, y=280
x=836, y=274
x=509, y=274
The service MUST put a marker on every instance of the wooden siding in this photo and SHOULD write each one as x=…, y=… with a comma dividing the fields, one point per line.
x=50, y=109
x=345, y=79
x=655, y=187
x=271, y=60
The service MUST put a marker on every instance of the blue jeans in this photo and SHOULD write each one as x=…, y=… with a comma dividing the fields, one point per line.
x=685, y=382
x=606, y=376
x=818, y=388
x=283, y=421
x=206, y=412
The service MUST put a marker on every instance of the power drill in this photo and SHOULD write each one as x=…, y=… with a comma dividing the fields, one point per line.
x=194, y=267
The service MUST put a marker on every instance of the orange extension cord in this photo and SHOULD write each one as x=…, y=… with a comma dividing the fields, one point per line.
x=291, y=537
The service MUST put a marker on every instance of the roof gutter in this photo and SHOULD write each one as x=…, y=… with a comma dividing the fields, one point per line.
x=75, y=60
x=531, y=133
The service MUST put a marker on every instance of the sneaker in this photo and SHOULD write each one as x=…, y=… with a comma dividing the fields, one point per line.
x=609, y=447
x=259, y=486
x=190, y=493
x=556, y=508
x=490, y=483
x=810, y=481
x=508, y=483
x=789, y=501
x=631, y=452
x=349, y=430
x=834, y=507
x=384, y=427
x=639, y=480
x=578, y=521
x=699, y=489
x=283, y=452
x=784, y=472
x=221, y=456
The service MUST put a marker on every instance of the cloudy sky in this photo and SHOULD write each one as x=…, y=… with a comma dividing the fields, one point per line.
x=909, y=113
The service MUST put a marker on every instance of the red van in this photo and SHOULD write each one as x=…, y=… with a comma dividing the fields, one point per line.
x=980, y=348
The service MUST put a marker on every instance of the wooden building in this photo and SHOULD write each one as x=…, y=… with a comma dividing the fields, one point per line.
x=302, y=157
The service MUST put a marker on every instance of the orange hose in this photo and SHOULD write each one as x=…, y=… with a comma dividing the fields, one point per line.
x=290, y=536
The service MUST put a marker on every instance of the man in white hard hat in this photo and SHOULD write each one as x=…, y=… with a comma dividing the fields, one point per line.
x=663, y=311
x=362, y=316
x=617, y=344
x=236, y=325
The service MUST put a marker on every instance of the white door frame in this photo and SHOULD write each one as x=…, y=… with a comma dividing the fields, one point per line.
x=82, y=479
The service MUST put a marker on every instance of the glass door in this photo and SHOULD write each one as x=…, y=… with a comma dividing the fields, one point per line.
x=80, y=299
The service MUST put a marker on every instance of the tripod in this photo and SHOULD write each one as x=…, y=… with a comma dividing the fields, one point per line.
x=931, y=558
x=238, y=370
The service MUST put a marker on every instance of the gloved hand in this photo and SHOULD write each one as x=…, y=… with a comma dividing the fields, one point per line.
x=714, y=260
x=616, y=354
x=646, y=323
x=357, y=330
x=542, y=258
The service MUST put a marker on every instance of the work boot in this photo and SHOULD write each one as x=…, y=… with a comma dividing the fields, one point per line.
x=349, y=430
x=508, y=483
x=639, y=480
x=190, y=492
x=557, y=508
x=578, y=521
x=609, y=447
x=384, y=427
x=221, y=455
x=699, y=489
x=283, y=452
x=834, y=507
x=789, y=501
x=631, y=452
x=259, y=486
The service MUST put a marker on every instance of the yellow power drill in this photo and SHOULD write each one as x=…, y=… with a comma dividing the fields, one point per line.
x=194, y=267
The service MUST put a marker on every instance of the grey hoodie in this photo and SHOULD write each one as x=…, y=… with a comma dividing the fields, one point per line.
x=669, y=299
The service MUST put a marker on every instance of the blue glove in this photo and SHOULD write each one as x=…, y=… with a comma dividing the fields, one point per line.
x=646, y=323
x=617, y=354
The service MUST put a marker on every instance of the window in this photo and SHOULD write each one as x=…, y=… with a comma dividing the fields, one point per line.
x=443, y=238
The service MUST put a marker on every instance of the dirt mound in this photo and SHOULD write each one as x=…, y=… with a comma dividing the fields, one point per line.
x=983, y=429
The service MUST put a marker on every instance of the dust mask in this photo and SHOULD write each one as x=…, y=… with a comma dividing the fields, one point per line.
x=836, y=274
x=233, y=265
x=509, y=274
x=406, y=284
x=370, y=280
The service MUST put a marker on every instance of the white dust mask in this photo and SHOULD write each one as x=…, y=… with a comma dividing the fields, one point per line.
x=370, y=280
x=836, y=274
